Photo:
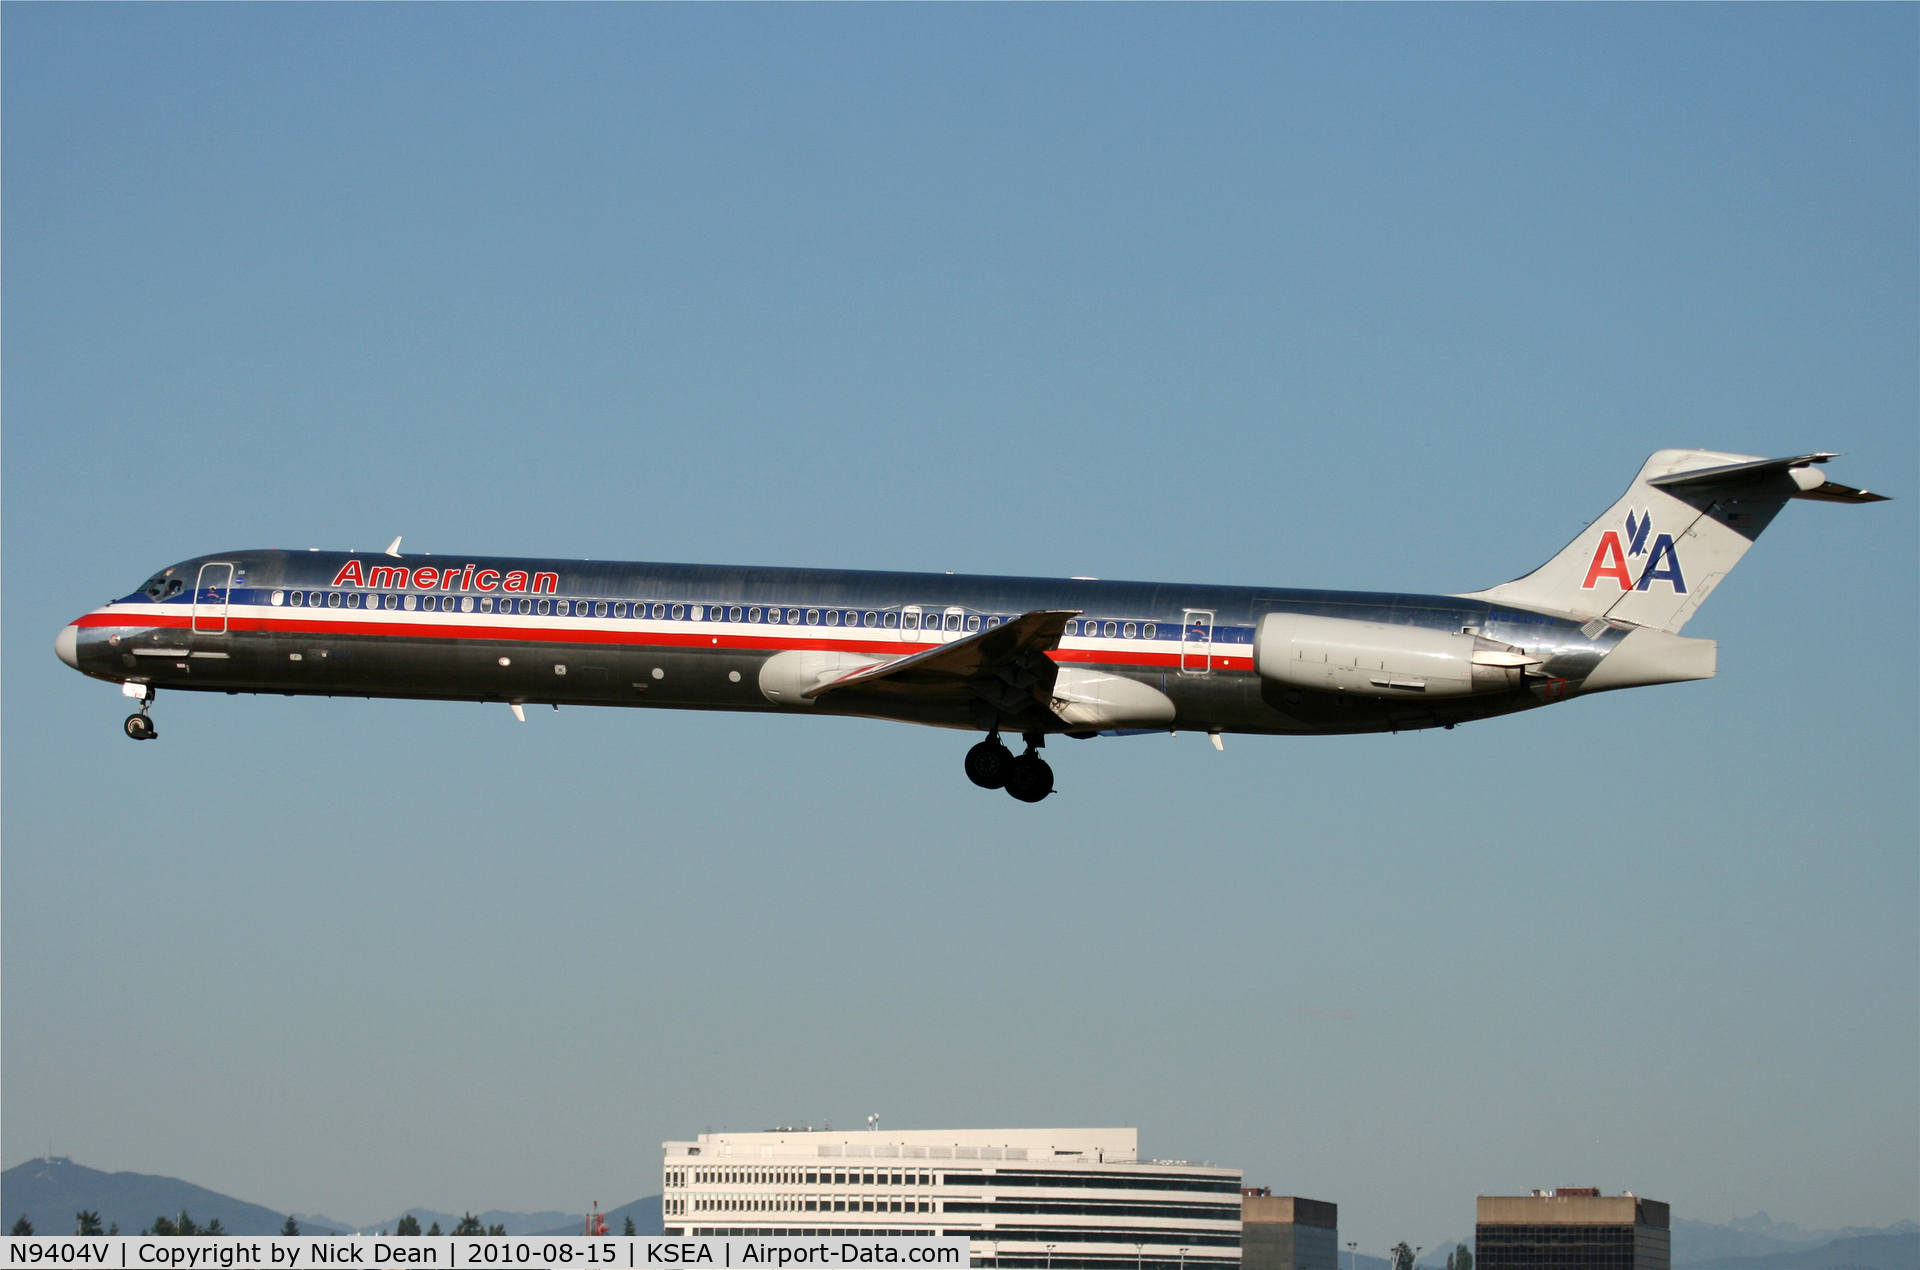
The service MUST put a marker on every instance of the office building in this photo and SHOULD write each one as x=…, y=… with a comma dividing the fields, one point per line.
x=1287, y=1232
x=1049, y=1199
x=1572, y=1228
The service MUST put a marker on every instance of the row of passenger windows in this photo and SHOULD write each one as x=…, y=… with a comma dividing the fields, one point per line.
x=691, y=612
x=793, y=1177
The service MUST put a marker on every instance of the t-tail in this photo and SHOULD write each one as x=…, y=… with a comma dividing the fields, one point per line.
x=1683, y=524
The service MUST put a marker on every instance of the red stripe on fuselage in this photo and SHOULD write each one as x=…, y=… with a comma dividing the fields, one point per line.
x=400, y=628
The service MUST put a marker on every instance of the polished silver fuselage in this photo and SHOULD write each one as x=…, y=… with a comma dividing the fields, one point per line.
x=698, y=637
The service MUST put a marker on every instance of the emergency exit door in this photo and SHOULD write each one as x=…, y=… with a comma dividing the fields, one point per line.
x=1196, y=642
x=212, y=591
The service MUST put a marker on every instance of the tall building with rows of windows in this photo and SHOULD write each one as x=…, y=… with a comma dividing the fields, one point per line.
x=1050, y=1199
x=1571, y=1228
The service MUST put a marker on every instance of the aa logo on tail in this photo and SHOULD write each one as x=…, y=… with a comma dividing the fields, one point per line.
x=1659, y=562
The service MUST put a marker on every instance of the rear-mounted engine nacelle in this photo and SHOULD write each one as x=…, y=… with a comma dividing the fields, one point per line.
x=1374, y=659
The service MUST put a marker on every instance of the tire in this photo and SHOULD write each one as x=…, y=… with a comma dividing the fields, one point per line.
x=987, y=764
x=140, y=727
x=1029, y=778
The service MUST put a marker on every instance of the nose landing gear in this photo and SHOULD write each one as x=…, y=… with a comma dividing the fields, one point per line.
x=139, y=726
x=991, y=765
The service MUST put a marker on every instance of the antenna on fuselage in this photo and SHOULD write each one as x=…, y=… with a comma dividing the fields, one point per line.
x=393, y=548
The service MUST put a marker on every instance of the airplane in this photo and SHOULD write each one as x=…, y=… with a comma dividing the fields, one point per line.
x=1030, y=657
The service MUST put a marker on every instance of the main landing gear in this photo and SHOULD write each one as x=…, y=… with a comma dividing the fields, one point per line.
x=139, y=726
x=991, y=765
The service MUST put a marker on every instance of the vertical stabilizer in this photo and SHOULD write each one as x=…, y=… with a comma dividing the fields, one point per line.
x=1684, y=523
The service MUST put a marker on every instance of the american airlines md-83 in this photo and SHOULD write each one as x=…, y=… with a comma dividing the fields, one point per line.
x=1030, y=657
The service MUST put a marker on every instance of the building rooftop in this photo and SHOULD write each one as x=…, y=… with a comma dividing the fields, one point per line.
x=1571, y=1206
x=1107, y=1146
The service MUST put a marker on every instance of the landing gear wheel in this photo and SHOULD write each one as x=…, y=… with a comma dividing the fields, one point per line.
x=987, y=763
x=141, y=728
x=1029, y=778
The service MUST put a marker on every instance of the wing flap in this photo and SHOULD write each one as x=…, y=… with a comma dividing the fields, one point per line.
x=1006, y=653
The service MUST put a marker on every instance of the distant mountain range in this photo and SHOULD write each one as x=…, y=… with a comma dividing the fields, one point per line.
x=1761, y=1236
x=645, y=1214
x=1860, y=1252
x=49, y=1191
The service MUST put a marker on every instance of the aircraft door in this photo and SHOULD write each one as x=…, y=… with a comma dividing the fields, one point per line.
x=910, y=624
x=1196, y=642
x=211, y=592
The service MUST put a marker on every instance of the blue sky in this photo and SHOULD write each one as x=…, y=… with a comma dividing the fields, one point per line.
x=1378, y=296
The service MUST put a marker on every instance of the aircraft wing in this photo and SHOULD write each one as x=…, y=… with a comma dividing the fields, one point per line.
x=1005, y=664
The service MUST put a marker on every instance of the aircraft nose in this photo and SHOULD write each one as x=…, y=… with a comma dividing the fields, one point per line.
x=67, y=645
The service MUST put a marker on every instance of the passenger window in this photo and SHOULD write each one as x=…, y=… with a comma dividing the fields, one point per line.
x=953, y=621
x=466, y=604
x=871, y=618
x=1073, y=628
x=1148, y=630
x=910, y=620
x=600, y=609
x=316, y=599
x=733, y=614
x=486, y=604
x=353, y=601
x=973, y=623
x=893, y=620
x=753, y=615
x=813, y=617
x=833, y=617
x=541, y=607
x=559, y=607
x=660, y=610
x=1110, y=630
x=1128, y=630
x=410, y=602
x=526, y=606
x=296, y=599
x=679, y=611
x=773, y=615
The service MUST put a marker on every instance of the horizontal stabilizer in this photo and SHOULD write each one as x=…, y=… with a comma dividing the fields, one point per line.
x=1808, y=483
